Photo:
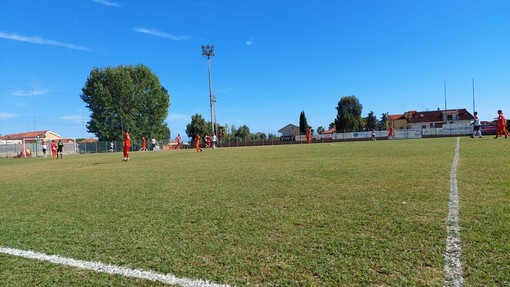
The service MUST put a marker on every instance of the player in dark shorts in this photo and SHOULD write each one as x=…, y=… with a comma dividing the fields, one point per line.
x=60, y=148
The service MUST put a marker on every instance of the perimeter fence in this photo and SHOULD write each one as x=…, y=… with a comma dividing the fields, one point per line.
x=15, y=148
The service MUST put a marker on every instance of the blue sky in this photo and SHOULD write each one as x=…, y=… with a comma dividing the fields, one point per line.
x=273, y=59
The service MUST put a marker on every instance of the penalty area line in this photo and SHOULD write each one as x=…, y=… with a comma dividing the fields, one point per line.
x=110, y=269
x=453, y=265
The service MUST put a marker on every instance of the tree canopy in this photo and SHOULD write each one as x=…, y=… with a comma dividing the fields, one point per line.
x=349, y=114
x=303, y=124
x=126, y=98
x=371, y=121
x=198, y=125
x=384, y=122
x=243, y=132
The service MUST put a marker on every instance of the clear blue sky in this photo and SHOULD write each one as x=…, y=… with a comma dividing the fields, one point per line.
x=273, y=59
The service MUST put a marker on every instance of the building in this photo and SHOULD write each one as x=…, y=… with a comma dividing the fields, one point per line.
x=398, y=121
x=46, y=135
x=289, y=132
x=439, y=119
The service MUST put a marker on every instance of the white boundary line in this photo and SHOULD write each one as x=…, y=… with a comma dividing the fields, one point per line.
x=110, y=269
x=453, y=265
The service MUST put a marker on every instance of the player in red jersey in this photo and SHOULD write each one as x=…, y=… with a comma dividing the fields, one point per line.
x=391, y=135
x=501, y=125
x=197, y=142
x=127, y=145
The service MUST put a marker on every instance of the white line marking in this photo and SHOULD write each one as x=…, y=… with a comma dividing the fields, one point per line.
x=453, y=265
x=110, y=269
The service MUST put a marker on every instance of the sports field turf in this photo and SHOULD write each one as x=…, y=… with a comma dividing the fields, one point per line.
x=342, y=214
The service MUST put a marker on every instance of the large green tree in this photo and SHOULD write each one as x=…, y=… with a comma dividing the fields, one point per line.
x=371, y=121
x=349, y=114
x=198, y=125
x=126, y=98
x=243, y=132
x=303, y=124
x=384, y=122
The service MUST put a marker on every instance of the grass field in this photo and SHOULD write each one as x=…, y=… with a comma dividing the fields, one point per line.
x=342, y=214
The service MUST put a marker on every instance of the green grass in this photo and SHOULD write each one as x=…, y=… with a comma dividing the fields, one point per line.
x=342, y=214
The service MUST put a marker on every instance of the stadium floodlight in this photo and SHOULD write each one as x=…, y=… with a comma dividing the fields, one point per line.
x=208, y=52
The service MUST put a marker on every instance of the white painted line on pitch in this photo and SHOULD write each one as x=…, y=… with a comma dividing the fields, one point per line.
x=453, y=265
x=110, y=269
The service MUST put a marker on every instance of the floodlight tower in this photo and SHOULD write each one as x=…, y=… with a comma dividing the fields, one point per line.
x=208, y=52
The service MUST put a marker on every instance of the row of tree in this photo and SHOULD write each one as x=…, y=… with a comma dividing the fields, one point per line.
x=348, y=118
x=226, y=133
x=131, y=98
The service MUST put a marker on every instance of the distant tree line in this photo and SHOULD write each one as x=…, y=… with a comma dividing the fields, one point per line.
x=349, y=118
x=226, y=133
x=131, y=98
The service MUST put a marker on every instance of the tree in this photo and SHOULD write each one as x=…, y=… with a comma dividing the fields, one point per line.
x=349, y=114
x=221, y=132
x=371, y=121
x=243, y=132
x=198, y=125
x=362, y=124
x=126, y=98
x=271, y=136
x=303, y=125
x=260, y=136
x=320, y=130
x=384, y=122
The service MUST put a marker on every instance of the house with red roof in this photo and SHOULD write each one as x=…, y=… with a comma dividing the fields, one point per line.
x=33, y=136
x=439, y=119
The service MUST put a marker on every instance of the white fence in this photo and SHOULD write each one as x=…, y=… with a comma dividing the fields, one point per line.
x=14, y=148
x=398, y=134
x=17, y=148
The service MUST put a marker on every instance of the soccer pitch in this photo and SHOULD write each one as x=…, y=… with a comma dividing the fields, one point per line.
x=342, y=214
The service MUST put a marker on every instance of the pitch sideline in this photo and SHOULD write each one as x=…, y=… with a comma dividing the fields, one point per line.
x=453, y=265
x=110, y=269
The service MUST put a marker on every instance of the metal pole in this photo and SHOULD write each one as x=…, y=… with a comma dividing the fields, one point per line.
x=208, y=52
x=473, y=84
x=445, y=107
x=211, y=100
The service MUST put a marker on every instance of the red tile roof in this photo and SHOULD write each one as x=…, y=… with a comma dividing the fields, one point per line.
x=437, y=116
x=330, y=131
x=24, y=135
x=396, y=117
x=89, y=140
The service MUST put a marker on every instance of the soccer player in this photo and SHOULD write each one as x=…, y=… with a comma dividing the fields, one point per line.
x=501, y=125
x=60, y=148
x=477, y=127
x=44, y=148
x=214, y=140
x=53, y=149
x=207, y=139
x=391, y=135
x=144, y=144
x=197, y=142
x=179, y=141
x=153, y=144
x=127, y=145
x=308, y=135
